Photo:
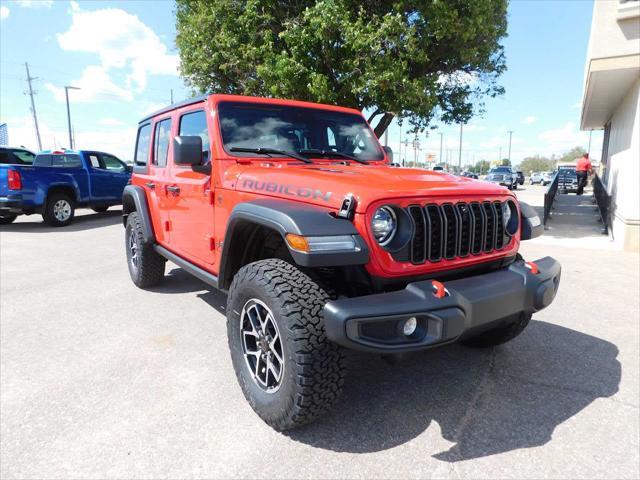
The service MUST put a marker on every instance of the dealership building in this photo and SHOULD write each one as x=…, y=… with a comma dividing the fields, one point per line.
x=611, y=102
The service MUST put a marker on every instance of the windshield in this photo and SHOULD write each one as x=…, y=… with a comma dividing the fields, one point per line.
x=296, y=129
x=501, y=170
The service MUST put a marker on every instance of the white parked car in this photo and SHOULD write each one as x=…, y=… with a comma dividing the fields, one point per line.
x=536, y=177
x=547, y=178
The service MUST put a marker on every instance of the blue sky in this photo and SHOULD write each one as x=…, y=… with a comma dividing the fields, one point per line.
x=123, y=56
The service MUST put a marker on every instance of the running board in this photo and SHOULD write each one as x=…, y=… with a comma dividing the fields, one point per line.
x=197, y=272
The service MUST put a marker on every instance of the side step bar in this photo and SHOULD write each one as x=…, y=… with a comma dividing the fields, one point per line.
x=197, y=272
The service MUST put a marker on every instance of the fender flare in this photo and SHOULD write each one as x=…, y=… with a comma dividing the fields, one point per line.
x=136, y=195
x=284, y=217
x=531, y=225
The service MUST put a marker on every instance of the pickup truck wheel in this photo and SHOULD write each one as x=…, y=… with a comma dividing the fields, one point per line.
x=499, y=335
x=146, y=267
x=287, y=369
x=60, y=210
x=7, y=219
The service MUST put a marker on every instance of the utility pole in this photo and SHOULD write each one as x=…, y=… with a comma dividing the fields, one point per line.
x=460, y=149
x=400, y=144
x=66, y=94
x=171, y=97
x=510, y=134
x=440, y=157
x=500, y=155
x=589, y=149
x=33, y=106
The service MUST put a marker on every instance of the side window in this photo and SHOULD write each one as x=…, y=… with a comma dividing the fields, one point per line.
x=161, y=143
x=42, y=161
x=195, y=124
x=95, y=161
x=25, y=158
x=111, y=163
x=142, y=145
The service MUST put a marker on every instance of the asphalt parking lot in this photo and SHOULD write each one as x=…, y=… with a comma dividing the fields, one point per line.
x=100, y=379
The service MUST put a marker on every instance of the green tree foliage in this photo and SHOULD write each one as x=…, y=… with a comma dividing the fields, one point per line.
x=537, y=164
x=481, y=167
x=571, y=155
x=425, y=61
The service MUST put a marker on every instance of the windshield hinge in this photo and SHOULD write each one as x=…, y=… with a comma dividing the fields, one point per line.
x=348, y=207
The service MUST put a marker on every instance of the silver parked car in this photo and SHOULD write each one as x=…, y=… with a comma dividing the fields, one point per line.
x=536, y=177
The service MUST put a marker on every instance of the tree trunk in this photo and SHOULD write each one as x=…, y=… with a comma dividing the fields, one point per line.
x=383, y=124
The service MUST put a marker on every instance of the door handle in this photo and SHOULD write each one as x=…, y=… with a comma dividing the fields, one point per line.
x=150, y=185
x=173, y=189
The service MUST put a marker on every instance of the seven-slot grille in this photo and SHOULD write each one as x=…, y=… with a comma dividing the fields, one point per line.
x=455, y=230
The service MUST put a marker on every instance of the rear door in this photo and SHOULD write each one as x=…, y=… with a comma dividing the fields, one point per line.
x=192, y=233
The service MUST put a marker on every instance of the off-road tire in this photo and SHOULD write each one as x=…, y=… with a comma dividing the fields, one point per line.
x=150, y=265
x=100, y=209
x=49, y=215
x=314, y=368
x=499, y=335
x=7, y=219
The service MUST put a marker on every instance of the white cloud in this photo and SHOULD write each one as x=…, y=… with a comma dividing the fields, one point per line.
x=528, y=120
x=35, y=3
x=121, y=41
x=458, y=78
x=110, y=122
x=578, y=104
x=118, y=141
x=561, y=139
x=94, y=85
x=4, y=12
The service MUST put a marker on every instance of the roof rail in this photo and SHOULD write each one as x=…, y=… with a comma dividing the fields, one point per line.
x=173, y=106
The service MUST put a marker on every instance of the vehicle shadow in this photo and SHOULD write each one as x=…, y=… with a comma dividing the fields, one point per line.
x=80, y=222
x=179, y=281
x=484, y=401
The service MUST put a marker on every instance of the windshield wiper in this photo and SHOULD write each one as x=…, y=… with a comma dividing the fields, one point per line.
x=270, y=151
x=331, y=153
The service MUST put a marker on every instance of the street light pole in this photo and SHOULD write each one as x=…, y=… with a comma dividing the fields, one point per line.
x=510, y=134
x=66, y=94
x=460, y=149
x=440, y=157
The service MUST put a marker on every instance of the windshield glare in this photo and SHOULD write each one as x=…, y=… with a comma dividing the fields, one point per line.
x=248, y=125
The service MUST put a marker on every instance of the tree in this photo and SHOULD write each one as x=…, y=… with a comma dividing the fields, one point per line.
x=481, y=167
x=505, y=162
x=571, y=155
x=421, y=60
x=537, y=164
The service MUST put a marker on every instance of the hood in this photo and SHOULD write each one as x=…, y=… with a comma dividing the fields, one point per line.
x=327, y=184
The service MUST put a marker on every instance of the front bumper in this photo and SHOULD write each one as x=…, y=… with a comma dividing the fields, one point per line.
x=474, y=304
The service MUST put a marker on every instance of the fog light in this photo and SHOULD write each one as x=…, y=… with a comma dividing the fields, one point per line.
x=410, y=326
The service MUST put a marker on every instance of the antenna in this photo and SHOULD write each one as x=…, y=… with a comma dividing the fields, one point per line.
x=33, y=105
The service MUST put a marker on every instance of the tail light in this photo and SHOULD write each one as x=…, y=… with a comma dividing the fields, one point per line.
x=14, y=180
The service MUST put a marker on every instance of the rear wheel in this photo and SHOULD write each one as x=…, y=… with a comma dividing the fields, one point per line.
x=146, y=267
x=499, y=335
x=7, y=219
x=287, y=369
x=60, y=210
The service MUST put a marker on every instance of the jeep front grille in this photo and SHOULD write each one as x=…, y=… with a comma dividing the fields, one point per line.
x=455, y=230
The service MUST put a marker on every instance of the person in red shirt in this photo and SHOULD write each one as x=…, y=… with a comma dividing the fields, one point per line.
x=583, y=169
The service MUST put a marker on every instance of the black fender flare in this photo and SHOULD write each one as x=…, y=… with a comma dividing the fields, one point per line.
x=284, y=217
x=135, y=199
x=531, y=225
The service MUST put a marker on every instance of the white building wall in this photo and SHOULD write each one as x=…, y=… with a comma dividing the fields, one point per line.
x=623, y=178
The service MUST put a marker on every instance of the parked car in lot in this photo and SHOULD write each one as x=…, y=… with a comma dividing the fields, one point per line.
x=567, y=180
x=510, y=178
x=547, y=178
x=322, y=245
x=16, y=156
x=469, y=175
x=520, y=177
x=536, y=178
x=58, y=182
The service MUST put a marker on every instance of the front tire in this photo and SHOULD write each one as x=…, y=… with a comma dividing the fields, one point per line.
x=146, y=266
x=288, y=339
x=60, y=210
x=7, y=219
x=499, y=335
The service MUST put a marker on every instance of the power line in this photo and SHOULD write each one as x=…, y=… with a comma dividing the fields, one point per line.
x=33, y=106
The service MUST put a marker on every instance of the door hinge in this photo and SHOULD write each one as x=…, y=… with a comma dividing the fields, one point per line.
x=212, y=243
x=167, y=225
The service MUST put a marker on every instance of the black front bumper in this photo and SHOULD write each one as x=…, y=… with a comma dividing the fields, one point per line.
x=472, y=305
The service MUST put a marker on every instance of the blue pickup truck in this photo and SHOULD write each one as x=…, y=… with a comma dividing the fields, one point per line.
x=58, y=182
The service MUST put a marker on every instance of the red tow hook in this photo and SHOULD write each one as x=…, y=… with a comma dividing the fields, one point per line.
x=438, y=287
x=533, y=267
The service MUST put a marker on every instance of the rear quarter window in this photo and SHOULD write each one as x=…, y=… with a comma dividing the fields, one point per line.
x=143, y=143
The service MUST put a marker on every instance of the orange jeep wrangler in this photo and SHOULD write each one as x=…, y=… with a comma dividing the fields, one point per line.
x=295, y=210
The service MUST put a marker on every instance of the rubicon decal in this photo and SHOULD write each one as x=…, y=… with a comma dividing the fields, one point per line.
x=293, y=190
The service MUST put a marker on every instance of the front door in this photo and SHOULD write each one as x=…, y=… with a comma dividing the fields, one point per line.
x=192, y=229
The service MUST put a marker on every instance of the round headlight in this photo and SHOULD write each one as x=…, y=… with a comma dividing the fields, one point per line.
x=510, y=217
x=384, y=225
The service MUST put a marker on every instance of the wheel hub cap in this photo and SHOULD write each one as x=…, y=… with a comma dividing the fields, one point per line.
x=262, y=345
x=133, y=250
x=62, y=210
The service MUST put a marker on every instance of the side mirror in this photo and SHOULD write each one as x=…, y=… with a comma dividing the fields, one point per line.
x=187, y=150
x=389, y=153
